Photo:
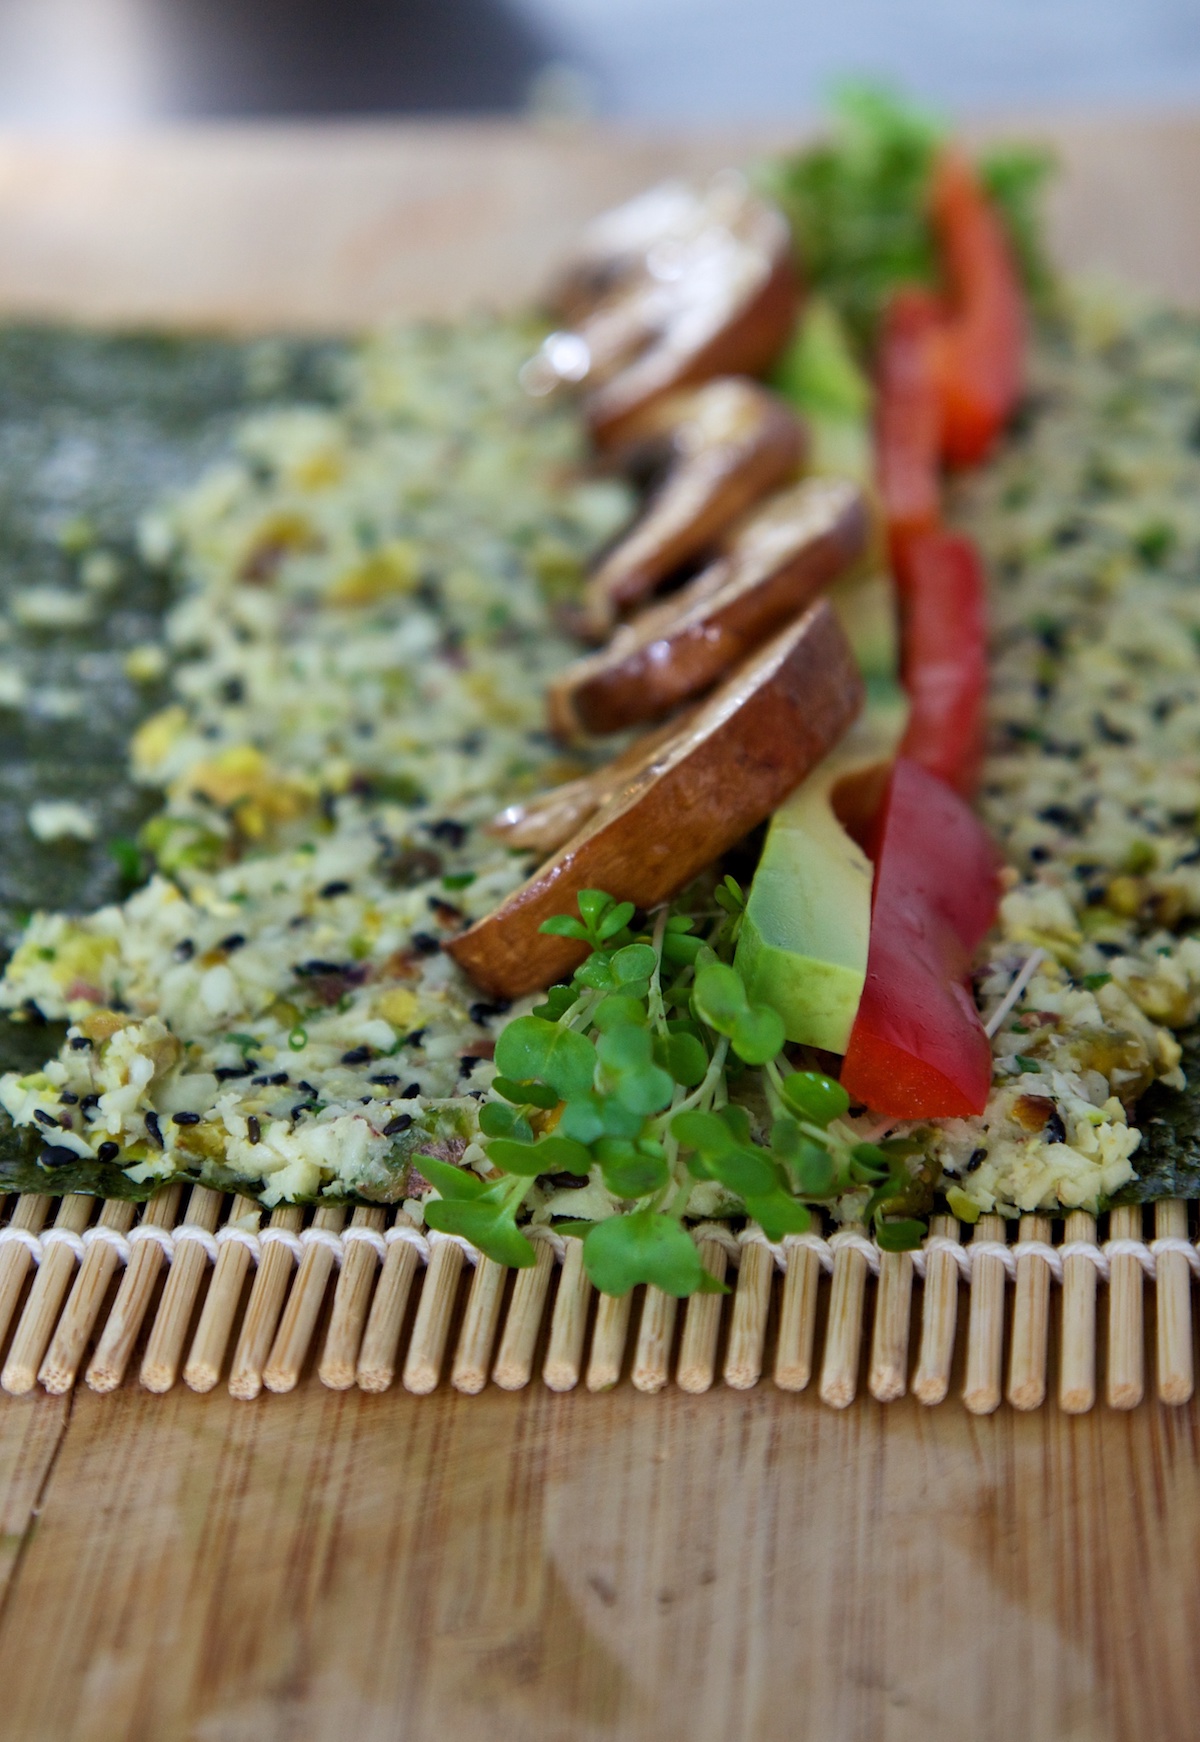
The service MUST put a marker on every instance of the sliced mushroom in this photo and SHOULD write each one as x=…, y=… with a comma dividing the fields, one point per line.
x=695, y=794
x=615, y=246
x=553, y=817
x=731, y=443
x=714, y=299
x=773, y=564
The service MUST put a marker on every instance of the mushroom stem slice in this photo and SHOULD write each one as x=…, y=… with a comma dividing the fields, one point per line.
x=772, y=566
x=696, y=793
x=732, y=443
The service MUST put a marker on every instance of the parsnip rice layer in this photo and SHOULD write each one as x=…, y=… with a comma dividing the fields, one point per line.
x=364, y=630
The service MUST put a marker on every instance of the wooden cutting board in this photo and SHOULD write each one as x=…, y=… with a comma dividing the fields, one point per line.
x=738, y=1567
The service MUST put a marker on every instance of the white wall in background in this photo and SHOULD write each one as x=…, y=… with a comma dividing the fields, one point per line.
x=745, y=60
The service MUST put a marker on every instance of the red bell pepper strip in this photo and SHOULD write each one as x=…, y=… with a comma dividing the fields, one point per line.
x=917, y=1049
x=908, y=424
x=979, y=355
x=944, y=658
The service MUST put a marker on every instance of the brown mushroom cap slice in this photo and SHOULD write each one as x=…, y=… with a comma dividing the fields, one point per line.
x=727, y=308
x=543, y=823
x=774, y=563
x=732, y=443
x=697, y=289
x=614, y=246
x=699, y=791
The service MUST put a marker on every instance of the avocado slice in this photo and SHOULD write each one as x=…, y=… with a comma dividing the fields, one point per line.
x=803, y=944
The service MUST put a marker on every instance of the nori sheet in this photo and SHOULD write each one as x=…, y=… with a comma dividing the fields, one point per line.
x=1168, y=1158
x=94, y=429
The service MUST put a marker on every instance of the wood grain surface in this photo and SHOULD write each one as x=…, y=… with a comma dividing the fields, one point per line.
x=741, y=1566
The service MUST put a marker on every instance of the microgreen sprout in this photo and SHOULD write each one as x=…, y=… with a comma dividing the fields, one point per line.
x=623, y=1076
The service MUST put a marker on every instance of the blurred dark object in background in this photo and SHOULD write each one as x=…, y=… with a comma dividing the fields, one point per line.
x=344, y=57
x=99, y=63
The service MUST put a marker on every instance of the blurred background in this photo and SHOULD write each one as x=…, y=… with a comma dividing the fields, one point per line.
x=96, y=64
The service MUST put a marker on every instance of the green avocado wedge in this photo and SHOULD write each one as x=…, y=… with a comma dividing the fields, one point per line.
x=803, y=944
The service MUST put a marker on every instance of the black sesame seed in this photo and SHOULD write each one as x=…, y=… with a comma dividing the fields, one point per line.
x=338, y=887
x=1060, y=816
x=57, y=1155
x=229, y=1073
x=41, y=1114
x=301, y=1107
x=185, y=1118
x=358, y=1055
x=32, y=1011
x=88, y=1102
x=278, y=1077
x=978, y=1157
x=445, y=910
x=233, y=691
x=1039, y=855
x=411, y=1093
x=385, y=1081
x=308, y=970
x=184, y=950
x=253, y=1129
x=1110, y=950
x=152, y=1129
x=415, y=1038
x=307, y=1087
x=446, y=829
x=80, y=1042
x=483, y=1011
x=467, y=1063
x=68, y=1099
x=1054, y=1131
x=108, y=1151
x=425, y=944
x=395, y=1126
x=234, y=941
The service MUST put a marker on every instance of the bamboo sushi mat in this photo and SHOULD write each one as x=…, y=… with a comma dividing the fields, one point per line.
x=190, y=1288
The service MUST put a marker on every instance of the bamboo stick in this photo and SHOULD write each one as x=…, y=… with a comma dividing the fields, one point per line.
x=888, y=1376
x=843, y=1335
x=294, y=1335
x=164, y=1347
x=702, y=1326
x=518, y=1342
x=939, y=1317
x=427, y=1346
x=609, y=1334
x=748, y=1322
x=264, y=1307
x=50, y=1285
x=476, y=1340
x=385, y=1322
x=207, y=1354
x=15, y=1257
x=1077, y=1376
x=1031, y=1320
x=351, y=1303
x=983, y=1386
x=107, y=1367
x=1173, y=1306
x=1125, y=1378
x=656, y=1333
x=797, y=1316
x=568, y=1324
x=100, y=1263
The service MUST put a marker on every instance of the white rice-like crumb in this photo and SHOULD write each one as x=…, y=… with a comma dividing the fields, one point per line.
x=61, y=820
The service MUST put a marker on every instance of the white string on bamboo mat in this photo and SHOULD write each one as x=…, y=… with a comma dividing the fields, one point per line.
x=426, y=1241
